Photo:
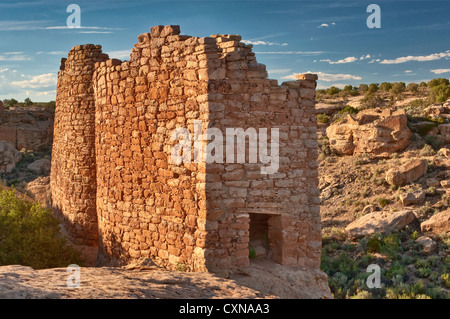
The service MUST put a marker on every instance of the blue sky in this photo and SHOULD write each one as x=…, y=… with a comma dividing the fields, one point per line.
x=330, y=38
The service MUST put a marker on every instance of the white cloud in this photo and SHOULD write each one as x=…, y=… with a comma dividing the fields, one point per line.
x=292, y=52
x=64, y=27
x=435, y=71
x=346, y=60
x=408, y=71
x=15, y=84
x=119, y=54
x=278, y=71
x=419, y=58
x=37, y=81
x=96, y=32
x=14, y=56
x=50, y=93
x=260, y=42
x=327, y=77
x=349, y=59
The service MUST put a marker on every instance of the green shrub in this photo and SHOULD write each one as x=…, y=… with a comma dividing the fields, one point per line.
x=397, y=88
x=412, y=87
x=439, y=93
x=390, y=245
x=385, y=86
x=433, y=141
x=383, y=202
x=425, y=129
x=333, y=90
x=397, y=269
x=374, y=244
x=348, y=110
x=251, y=253
x=446, y=280
x=373, y=87
x=323, y=118
x=372, y=101
x=363, y=88
x=437, y=82
x=427, y=150
x=30, y=235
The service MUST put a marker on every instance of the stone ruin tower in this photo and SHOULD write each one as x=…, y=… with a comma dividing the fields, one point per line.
x=117, y=189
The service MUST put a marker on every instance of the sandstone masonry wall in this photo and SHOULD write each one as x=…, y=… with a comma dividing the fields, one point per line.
x=73, y=172
x=198, y=216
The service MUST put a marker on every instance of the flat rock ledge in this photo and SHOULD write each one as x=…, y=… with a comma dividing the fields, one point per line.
x=20, y=282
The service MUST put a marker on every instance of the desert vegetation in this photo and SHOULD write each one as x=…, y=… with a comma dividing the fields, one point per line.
x=414, y=262
x=30, y=234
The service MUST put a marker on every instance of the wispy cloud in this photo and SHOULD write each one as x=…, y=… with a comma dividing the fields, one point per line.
x=13, y=25
x=52, y=52
x=419, y=58
x=349, y=59
x=260, y=42
x=37, y=81
x=33, y=25
x=14, y=56
x=327, y=77
x=278, y=71
x=440, y=71
x=292, y=52
x=346, y=60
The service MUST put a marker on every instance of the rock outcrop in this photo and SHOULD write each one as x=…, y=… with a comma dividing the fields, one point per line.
x=428, y=244
x=139, y=281
x=9, y=156
x=376, y=132
x=444, y=131
x=412, y=198
x=40, y=167
x=39, y=190
x=380, y=222
x=438, y=223
x=27, y=128
x=407, y=172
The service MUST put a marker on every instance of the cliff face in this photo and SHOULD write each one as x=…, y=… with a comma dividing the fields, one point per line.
x=27, y=128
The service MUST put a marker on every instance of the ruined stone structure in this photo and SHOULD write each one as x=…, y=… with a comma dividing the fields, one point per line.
x=113, y=179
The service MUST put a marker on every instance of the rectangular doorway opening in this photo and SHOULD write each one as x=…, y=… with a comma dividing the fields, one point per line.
x=265, y=237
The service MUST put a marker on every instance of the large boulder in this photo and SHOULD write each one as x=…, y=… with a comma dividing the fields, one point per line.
x=438, y=223
x=412, y=198
x=39, y=190
x=40, y=167
x=9, y=156
x=341, y=138
x=406, y=173
x=377, y=132
x=428, y=244
x=380, y=222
